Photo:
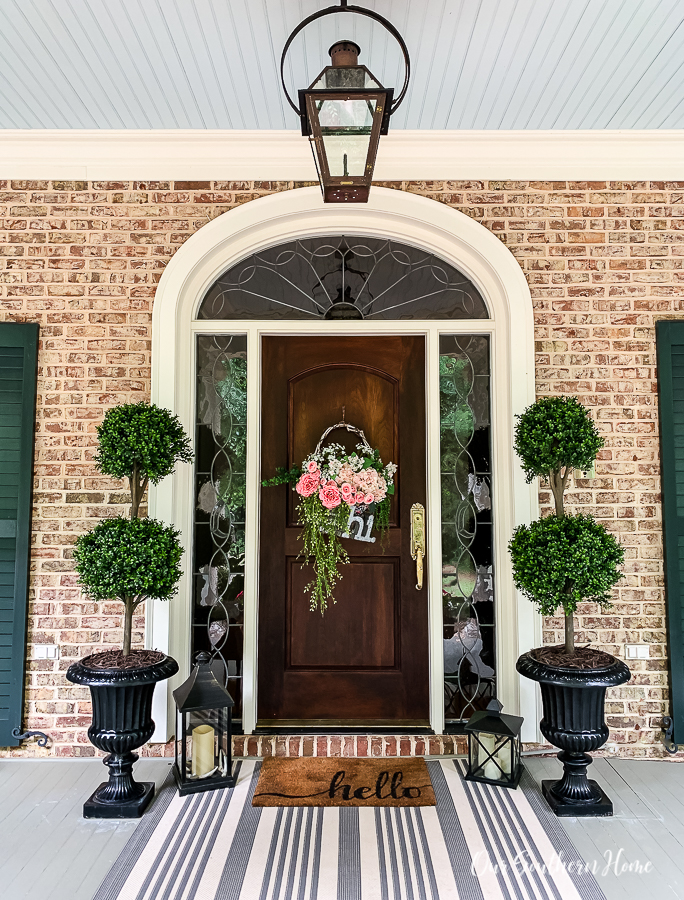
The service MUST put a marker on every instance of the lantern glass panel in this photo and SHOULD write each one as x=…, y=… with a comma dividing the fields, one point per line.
x=346, y=127
x=491, y=755
x=343, y=77
x=206, y=744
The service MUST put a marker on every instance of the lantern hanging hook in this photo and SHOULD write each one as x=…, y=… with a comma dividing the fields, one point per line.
x=343, y=7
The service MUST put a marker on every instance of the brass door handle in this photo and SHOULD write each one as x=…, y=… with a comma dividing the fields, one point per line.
x=418, y=541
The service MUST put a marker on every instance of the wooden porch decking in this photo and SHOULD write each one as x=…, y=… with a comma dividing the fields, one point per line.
x=48, y=850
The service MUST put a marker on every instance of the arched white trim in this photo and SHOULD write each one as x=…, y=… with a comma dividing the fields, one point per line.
x=400, y=216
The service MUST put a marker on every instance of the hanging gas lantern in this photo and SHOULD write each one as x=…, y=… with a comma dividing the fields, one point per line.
x=344, y=113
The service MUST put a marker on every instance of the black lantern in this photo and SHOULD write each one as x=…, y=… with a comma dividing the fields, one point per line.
x=203, y=731
x=344, y=112
x=494, y=747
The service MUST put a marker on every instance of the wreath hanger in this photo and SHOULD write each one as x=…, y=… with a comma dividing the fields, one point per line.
x=347, y=427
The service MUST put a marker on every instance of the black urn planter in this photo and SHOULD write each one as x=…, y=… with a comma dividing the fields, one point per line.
x=573, y=719
x=122, y=722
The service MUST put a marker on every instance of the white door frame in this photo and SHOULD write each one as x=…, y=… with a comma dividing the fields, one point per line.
x=396, y=215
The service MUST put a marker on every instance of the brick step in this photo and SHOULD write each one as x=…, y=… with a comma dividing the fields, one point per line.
x=353, y=745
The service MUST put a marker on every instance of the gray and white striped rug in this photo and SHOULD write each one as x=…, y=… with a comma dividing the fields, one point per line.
x=478, y=843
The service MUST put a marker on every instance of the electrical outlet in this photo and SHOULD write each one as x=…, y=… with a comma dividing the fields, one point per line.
x=590, y=473
x=46, y=651
x=637, y=651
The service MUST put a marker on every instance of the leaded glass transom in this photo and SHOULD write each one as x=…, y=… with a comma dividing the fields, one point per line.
x=343, y=278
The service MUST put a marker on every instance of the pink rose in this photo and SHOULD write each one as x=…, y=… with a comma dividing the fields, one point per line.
x=347, y=491
x=329, y=496
x=307, y=484
x=360, y=497
x=331, y=483
x=312, y=467
x=368, y=498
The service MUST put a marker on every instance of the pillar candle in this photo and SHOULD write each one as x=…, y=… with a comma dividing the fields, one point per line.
x=504, y=759
x=489, y=770
x=202, y=750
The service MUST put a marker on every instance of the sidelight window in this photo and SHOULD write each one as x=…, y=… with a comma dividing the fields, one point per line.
x=219, y=509
x=466, y=510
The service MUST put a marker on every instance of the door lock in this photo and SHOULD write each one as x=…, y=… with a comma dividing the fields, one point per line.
x=418, y=541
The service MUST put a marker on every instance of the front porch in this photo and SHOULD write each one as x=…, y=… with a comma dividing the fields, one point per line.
x=51, y=851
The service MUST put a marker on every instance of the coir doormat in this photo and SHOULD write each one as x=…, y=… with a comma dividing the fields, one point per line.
x=344, y=782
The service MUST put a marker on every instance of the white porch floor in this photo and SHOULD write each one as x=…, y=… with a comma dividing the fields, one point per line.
x=48, y=850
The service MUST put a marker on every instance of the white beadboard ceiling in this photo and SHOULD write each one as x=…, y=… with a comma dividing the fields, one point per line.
x=213, y=64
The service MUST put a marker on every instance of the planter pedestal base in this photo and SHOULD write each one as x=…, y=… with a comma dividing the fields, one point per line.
x=575, y=794
x=95, y=808
x=602, y=806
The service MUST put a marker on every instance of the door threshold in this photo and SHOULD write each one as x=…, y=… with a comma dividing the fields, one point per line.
x=408, y=730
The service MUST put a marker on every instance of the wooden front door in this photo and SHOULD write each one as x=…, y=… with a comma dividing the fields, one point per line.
x=365, y=662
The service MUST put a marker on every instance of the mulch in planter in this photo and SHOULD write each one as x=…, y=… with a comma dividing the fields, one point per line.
x=582, y=658
x=114, y=659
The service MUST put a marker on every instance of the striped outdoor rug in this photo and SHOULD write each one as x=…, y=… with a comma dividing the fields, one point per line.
x=478, y=843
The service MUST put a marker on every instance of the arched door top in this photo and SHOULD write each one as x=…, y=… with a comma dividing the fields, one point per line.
x=299, y=214
x=343, y=278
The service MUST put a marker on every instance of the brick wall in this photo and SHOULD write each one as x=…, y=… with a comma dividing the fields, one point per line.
x=603, y=261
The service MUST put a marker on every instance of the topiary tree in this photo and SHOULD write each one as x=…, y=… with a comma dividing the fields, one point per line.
x=133, y=559
x=143, y=443
x=562, y=560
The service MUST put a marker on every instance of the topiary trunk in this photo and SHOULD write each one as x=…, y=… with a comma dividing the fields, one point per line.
x=129, y=607
x=558, y=484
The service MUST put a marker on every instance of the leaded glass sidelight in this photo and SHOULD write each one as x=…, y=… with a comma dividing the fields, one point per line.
x=219, y=517
x=343, y=278
x=466, y=511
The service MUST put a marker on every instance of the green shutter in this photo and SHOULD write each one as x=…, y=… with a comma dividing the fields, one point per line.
x=18, y=355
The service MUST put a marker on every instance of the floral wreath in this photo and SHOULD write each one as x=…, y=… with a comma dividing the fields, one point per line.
x=334, y=486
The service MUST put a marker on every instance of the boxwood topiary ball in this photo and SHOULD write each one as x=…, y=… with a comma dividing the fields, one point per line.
x=563, y=560
x=129, y=558
x=142, y=435
x=554, y=433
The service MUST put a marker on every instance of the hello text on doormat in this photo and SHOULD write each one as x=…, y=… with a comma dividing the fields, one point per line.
x=344, y=782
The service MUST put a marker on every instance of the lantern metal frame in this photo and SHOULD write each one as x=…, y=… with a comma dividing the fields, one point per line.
x=354, y=188
x=202, y=693
x=491, y=721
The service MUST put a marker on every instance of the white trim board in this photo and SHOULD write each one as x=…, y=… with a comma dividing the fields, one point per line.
x=392, y=214
x=186, y=154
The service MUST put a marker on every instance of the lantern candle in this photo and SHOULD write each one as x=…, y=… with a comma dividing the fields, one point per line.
x=202, y=750
x=489, y=768
x=504, y=759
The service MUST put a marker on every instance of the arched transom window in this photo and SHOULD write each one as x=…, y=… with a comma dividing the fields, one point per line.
x=343, y=277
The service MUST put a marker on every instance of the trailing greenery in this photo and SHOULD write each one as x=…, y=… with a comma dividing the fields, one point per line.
x=322, y=547
x=140, y=442
x=382, y=511
x=562, y=560
x=283, y=476
x=129, y=560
